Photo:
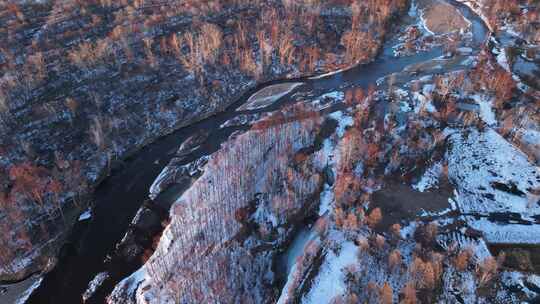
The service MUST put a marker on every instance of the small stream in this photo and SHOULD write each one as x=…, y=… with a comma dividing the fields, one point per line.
x=118, y=198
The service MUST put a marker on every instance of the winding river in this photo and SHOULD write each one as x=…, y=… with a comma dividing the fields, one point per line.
x=118, y=198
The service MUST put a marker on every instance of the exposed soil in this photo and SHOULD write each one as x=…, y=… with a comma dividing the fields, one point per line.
x=519, y=257
x=400, y=203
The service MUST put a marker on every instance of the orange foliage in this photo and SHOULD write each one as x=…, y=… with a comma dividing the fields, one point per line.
x=374, y=217
x=29, y=180
x=394, y=259
x=409, y=294
x=486, y=270
x=462, y=260
x=387, y=294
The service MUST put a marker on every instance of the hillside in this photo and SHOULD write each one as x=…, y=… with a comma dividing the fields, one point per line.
x=233, y=151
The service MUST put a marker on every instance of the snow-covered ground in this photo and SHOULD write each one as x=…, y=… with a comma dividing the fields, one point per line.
x=493, y=180
x=491, y=174
x=330, y=281
x=127, y=289
x=19, y=293
x=94, y=285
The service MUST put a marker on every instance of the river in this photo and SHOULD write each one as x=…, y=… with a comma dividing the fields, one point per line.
x=118, y=198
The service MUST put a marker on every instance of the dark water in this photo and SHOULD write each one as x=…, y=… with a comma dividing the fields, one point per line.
x=119, y=197
x=116, y=202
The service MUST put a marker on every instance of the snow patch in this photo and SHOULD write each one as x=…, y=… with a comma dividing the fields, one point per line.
x=344, y=121
x=86, y=215
x=430, y=178
x=327, y=198
x=330, y=281
x=129, y=289
x=502, y=59
x=269, y=95
x=27, y=293
x=423, y=23
x=155, y=188
x=94, y=285
x=479, y=161
x=486, y=109
x=507, y=233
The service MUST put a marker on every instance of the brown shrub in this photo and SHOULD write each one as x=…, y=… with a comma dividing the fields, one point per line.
x=409, y=294
x=424, y=273
x=387, y=294
x=380, y=241
x=396, y=230
x=394, y=259
x=461, y=261
x=486, y=270
x=374, y=217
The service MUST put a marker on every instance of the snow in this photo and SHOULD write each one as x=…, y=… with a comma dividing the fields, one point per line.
x=400, y=93
x=334, y=95
x=85, y=215
x=531, y=137
x=534, y=280
x=423, y=23
x=328, y=99
x=327, y=198
x=133, y=281
x=516, y=280
x=477, y=162
x=330, y=73
x=465, y=50
x=479, y=159
x=327, y=195
x=268, y=95
x=294, y=265
x=408, y=231
x=285, y=296
x=413, y=10
x=155, y=188
x=502, y=59
x=423, y=102
x=344, y=121
x=404, y=106
x=28, y=292
x=331, y=281
x=24, y=261
x=469, y=61
x=94, y=285
x=263, y=214
x=129, y=287
x=531, y=140
x=166, y=239
x=297, y=247
x=430, y=178
x=486, y=109
x=507, y=233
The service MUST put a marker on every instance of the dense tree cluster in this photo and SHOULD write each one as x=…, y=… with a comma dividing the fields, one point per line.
x=207, y=218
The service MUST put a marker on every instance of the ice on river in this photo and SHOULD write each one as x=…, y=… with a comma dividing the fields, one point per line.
x=268, y=95
x=86, y=215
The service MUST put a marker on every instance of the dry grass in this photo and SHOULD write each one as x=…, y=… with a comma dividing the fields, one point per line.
x=87, y=55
